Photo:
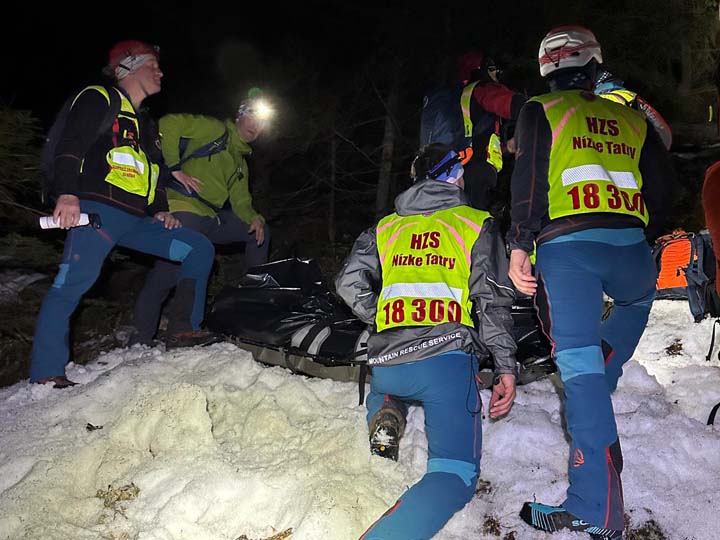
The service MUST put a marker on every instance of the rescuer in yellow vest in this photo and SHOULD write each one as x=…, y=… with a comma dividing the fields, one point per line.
x=609, y=86
x=590, y=176
x=111, y=171
x=431, y=280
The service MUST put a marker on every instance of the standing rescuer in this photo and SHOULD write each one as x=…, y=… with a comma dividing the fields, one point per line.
x=113, y=174
x=419, y=278
x=590, y=176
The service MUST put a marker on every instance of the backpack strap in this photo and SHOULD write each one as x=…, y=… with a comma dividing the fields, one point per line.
x=712, y=342
x=206, y=150
x=113, y=110
x=362, y=377
x=713, y=412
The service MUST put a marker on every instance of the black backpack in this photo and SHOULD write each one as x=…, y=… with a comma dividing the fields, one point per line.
x=441, y=120
x=47, y=155
x=700, y=274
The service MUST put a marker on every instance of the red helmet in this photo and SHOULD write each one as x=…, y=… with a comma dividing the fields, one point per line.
x=467, y=63
x=129, y=49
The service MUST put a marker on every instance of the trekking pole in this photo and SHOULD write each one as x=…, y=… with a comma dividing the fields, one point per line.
x=48, y=222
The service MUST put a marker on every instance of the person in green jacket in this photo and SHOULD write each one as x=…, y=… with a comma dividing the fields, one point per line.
x=210, y=194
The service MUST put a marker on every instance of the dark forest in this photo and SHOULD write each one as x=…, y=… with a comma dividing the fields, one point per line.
x=347, y=80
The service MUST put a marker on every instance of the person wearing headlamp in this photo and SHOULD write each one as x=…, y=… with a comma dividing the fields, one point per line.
x=421, y=278
x=210, y=194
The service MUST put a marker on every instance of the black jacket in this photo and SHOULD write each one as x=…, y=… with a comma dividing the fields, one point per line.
x=80, y=156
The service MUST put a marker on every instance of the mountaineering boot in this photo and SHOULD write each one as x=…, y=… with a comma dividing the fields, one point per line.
x=180, y=332
x=617, y=535
x=191, y=338
x=386, y=429
x=180, y=308
x=554, y=518
x=136, y=338
x=57, y=382
x=385, y=437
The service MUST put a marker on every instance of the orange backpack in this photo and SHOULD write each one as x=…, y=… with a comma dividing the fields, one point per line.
x=672, y=254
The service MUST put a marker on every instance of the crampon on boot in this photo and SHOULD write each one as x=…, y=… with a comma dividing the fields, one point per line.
x=385, y=437
x=386, y=429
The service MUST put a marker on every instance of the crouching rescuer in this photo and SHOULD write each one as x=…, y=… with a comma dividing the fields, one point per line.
x=431, y=280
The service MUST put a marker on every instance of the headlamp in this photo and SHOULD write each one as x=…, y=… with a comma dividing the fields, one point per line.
x=259, y=108
x=448, y=169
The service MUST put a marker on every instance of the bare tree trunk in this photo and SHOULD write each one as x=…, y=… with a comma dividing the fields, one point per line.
x=333, y=180
x=686, y=68
x=388, y=146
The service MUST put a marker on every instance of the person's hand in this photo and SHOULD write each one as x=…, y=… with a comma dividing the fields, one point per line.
x=503, y=395
x=511, y=146
x=257, y=226
x=190, y=183
x=67, y=211
x=170, y=221
x=520, y=272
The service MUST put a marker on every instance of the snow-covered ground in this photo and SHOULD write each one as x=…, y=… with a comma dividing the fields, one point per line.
x=205, y=443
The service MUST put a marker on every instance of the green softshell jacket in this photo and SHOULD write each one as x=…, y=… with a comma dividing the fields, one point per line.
x=224, y=175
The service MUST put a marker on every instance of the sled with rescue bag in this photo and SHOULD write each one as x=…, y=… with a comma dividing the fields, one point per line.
x=284, y=313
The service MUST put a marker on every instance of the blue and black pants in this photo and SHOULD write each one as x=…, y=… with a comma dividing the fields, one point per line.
x=445, y=386
x=573, y=273
x=227, y=228
x=85, y=251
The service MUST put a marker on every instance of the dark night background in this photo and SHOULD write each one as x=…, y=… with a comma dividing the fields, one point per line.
x=339, y=71
x=347, y=80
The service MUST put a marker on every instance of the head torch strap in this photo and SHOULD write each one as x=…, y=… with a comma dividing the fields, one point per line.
x=445, y=165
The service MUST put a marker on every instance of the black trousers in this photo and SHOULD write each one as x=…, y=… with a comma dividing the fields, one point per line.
x=480, y=179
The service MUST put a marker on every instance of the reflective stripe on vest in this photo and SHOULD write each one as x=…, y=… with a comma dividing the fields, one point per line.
x=465, y=107
x=623, y=97
x=130, y=169
x=595, y=155
x=494, y=152
x=426, y=261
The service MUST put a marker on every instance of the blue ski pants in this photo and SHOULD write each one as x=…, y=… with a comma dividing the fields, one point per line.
x=85, y=251
x=445, y=386
x=573, y=272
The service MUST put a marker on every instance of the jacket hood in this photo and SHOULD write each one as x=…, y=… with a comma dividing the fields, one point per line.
x=429, y=196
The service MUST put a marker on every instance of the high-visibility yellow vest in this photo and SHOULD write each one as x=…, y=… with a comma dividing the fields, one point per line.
x=595, y=155
x=494, y=148
x=129, y=167
x=425, y=262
